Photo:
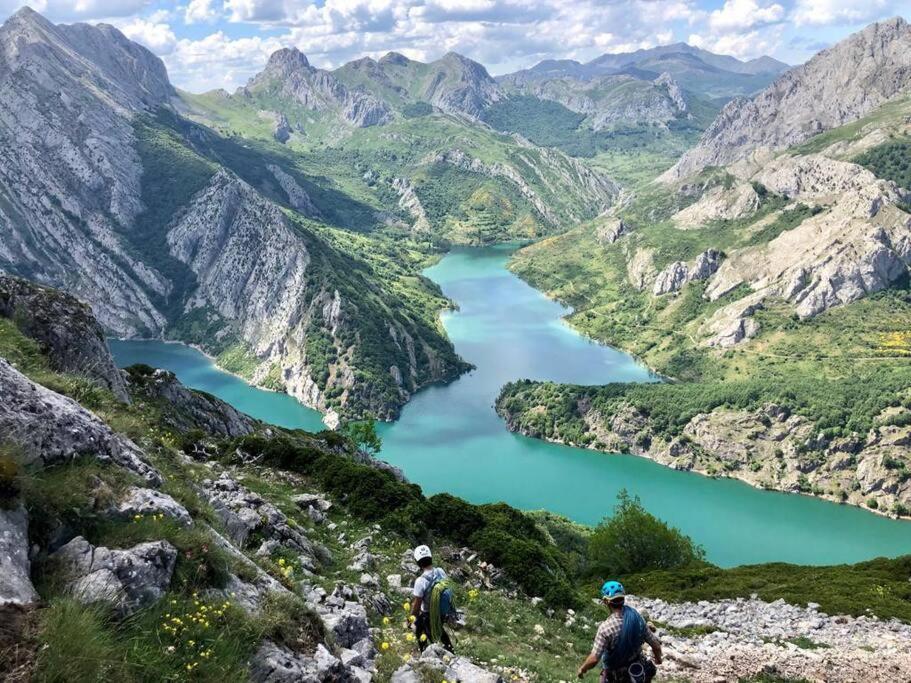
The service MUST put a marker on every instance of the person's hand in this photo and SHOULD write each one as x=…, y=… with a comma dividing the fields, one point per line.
x=580, y=673
x=658, y=659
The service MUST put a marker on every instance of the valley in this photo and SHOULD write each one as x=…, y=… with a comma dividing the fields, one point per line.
x=643, y=315
x=450, y=440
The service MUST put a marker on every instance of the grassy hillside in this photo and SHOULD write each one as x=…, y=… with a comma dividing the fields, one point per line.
x=846, y=371
x=361, y=164
x=540, y=553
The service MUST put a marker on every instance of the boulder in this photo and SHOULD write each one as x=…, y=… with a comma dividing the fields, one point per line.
x=143, y=502
x=274, y=663
x=453, y=668
x=15, y=582
x=128, y=579
x=51, y=428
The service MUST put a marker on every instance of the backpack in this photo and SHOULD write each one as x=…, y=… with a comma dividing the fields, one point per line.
x=440, y=601
x=629, y=642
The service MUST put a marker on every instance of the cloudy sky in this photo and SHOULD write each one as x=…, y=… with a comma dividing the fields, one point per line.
x=220, y=43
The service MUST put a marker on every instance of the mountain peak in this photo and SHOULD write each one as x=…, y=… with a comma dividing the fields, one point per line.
x=837, y=86
x=288, y=59
x=396, y=58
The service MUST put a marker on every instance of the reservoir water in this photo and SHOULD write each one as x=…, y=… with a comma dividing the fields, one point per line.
x=450, y=439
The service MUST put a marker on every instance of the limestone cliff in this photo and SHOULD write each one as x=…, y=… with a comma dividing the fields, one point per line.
x=837, y=86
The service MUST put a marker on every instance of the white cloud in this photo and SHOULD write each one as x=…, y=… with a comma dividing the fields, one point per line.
x=742, y=45
x=738, y=15
x=155, y=35
x=822, y=12
x=217, y=61
x=77, y=10
x=200, y=11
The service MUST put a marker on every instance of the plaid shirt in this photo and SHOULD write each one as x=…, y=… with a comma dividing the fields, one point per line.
x=609, y=631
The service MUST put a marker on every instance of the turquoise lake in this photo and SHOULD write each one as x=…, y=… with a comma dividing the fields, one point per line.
x=450, y=439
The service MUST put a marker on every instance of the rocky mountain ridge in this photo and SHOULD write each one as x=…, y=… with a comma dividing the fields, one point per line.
x=839, y=85
x=84, y=140
x=696, y=69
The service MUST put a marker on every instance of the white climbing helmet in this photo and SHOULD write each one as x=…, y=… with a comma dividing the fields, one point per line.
x=421, y=552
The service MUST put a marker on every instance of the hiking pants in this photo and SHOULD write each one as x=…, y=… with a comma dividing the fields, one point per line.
x=422, y=627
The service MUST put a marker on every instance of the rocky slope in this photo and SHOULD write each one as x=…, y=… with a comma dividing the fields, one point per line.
x=94, y=165
x=212, y=550
x=66, y=330
x=769, y=447
x=288, y=74
x=837, y=86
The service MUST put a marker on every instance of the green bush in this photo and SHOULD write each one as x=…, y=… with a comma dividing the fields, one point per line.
x=634, y=540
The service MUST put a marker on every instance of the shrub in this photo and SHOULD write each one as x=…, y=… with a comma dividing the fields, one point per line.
x=633, y=540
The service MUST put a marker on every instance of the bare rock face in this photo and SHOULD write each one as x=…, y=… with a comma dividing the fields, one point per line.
x=837, y=86
x=718, y=203
x=68, y=333
x=50, y=428
x=291, y=75
x=128, y=579
x=68, y=168
x=15, y=580
x=610, y=231
x=679, y=273
x=297, y=196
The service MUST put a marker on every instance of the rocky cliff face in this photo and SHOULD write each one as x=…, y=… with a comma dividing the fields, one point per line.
x=837, y=86
x=289, y=74
x=68, y=167
x=231, y=260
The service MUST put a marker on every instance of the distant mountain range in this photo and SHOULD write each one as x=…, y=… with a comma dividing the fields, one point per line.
x=694, y=69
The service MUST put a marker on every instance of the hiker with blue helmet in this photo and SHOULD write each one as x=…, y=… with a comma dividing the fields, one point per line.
x=431, y=605
x=619, y=640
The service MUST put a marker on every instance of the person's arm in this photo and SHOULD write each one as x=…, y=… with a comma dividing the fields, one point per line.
x=597, y=652
x=654, y=643
x=416, y=606
x=590, y=663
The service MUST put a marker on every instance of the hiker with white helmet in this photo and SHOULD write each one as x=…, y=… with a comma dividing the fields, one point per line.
x=432, y=603
x=619, y=640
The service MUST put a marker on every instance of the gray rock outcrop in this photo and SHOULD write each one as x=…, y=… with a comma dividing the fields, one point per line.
x=147, y=502
x=15, y=568
x=679, y=273
x=50, y=428
x=128, y=579
x=243, y=512
x=273, y=663
x=837, y=86
x=66, y=330
x=451, y=667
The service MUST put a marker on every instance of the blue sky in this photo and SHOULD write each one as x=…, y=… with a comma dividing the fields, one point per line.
x=221, y=43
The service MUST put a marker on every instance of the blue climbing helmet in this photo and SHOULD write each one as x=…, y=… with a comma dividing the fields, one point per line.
x=612, y=589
